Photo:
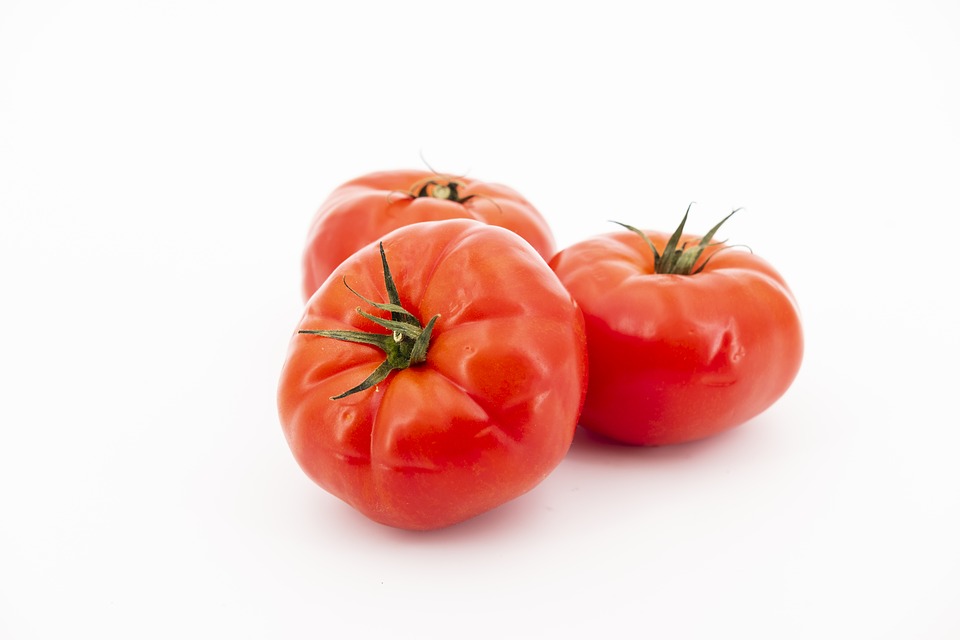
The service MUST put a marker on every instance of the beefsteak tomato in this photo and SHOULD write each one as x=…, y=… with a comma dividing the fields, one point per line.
x=436, y=378
x=686, y=338
x=366, y=209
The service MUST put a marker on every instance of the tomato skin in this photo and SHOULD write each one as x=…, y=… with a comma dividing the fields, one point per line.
x=367, y=208
x=676, y=358
x=489, y=414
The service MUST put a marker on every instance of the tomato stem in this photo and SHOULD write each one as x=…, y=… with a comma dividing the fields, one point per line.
x=406, y=344
x=439, y=188
x=682, y=259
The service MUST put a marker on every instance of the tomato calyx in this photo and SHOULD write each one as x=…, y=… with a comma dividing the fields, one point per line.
x=682, y=259
x=441, y=189
x=406, y=344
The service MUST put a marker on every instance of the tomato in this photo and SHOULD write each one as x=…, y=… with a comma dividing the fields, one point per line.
x=707, y=343
x=367, y=208
x=437, y=377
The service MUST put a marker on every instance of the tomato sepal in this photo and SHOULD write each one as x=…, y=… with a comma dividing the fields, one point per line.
x=404, y=347
x=679, y=260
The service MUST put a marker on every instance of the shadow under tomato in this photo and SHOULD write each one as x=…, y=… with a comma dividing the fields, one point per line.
x=592, y=447
x=504, y=521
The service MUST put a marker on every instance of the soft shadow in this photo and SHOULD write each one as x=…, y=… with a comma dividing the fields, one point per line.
x=590, y=447
x=506, y=521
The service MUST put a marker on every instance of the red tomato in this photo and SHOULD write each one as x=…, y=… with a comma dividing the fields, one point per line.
x=459, y=422
x=367, y=208
x=675, y=357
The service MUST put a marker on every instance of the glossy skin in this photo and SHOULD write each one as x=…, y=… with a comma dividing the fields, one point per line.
x=488, y=415
x=676, y=358
x=367, y=208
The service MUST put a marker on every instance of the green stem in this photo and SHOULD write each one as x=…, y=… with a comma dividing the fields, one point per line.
x=405, y=346
x=682, y=259
x=441, y=189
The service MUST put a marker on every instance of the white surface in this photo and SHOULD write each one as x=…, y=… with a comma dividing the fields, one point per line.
x=159, y=163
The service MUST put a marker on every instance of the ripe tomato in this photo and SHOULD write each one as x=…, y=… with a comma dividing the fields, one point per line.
x=676, y=357
x=478, y=396
x=367, y=208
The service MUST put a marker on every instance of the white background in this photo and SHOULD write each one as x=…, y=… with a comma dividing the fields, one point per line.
x=160, y=163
